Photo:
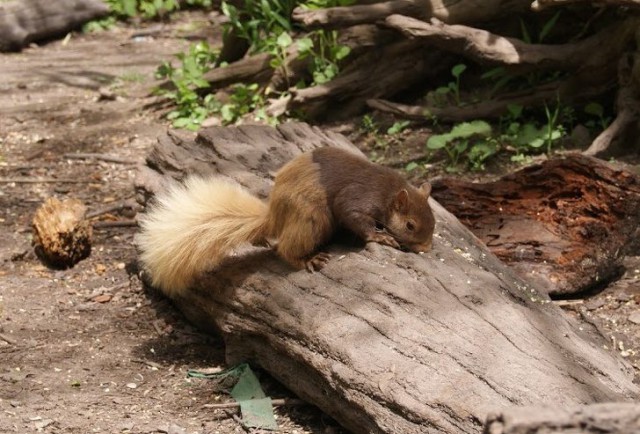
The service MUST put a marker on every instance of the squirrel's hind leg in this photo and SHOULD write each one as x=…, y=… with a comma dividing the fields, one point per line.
x=300, y=239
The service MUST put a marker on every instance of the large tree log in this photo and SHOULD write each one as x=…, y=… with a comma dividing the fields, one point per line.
x=618, y=418
x=382, y=340
x=566, y=223
x=26, y=21
x=450, y=11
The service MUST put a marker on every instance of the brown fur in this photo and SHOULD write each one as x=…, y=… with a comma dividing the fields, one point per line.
x=194, y=226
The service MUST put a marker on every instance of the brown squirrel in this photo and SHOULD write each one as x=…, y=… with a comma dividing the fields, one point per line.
x=193, y=226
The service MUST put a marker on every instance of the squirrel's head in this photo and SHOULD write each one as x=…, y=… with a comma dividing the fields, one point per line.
x=411, y=221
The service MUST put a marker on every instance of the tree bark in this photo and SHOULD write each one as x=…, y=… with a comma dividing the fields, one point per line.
x=26, y=21
x=382, y=340
x=565, y=224
x=619, y=418
x=450, y=11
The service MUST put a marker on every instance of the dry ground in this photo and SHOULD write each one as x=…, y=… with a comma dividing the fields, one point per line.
x=89, y=349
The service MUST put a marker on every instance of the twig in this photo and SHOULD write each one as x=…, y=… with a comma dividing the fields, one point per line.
x=285, y=402
x=567, y=302
x=102, y=157
x=539, y=5
x=8, y=340
x=148, y=363
x=45, y=181
x=116, y=207
x=115, y=224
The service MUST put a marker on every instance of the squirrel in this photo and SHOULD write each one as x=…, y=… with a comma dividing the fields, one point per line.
x=193, y=226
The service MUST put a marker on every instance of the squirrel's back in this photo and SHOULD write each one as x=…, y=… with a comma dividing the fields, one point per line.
x=192, y=226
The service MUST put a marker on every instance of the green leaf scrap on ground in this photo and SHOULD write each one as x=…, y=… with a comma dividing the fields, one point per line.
x=256, y=408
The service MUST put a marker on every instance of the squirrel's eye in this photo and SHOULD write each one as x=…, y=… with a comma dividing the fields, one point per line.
x=410, y=226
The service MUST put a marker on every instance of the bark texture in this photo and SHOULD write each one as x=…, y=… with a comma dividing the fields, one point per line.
x=382, y=340
x=619, y=418
x=26, y=21
x=565, y=224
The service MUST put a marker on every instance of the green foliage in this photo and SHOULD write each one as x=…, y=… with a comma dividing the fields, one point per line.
x=598, y=119
x=457, y=142
x=260, y=22
x=528, y=138
x=191, y=109
x=267, y=26
x=442, y=93
x=397, y=127
x=325, y=54
x=148, y=9
x=369, y=124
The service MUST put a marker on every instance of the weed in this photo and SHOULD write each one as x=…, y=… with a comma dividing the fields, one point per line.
x=325, y=52
x=397, y=127
x=456, y=143
x=453, y=87
x=597, y=111
x=191, y=109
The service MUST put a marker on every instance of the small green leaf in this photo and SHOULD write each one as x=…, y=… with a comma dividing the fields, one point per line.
x=284, y=40
x=515, y=110
x=549, y=25
x=342, y=52
x=305, y=45
x=438, y=141
x=595, y=109
x=458, y=69
x=397, y=127
x=411, y=166
x=468, y=129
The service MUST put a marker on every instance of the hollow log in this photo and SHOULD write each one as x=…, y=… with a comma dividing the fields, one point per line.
x=26, y=21
x=382, y=340
x=565, y=224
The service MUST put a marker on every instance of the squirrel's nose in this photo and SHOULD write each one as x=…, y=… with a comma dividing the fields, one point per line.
x=421, y=248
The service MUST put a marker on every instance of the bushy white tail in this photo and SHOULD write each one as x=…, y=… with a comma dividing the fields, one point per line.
x=192, y=227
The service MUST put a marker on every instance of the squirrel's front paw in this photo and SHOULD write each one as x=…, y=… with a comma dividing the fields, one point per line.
x=317, y=262
x=383, y=238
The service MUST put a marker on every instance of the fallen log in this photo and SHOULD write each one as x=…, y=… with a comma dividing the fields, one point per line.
x=612, y=418
x=626, y=126
x=26, y=21
x=450, y=11
x=382, y=340
x=487, y=48
x=565, y=224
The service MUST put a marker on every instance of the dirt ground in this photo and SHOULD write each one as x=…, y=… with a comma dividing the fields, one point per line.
x=88, y=349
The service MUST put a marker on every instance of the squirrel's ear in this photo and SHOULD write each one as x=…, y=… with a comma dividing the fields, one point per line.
x=401, y=203
x=426, y=189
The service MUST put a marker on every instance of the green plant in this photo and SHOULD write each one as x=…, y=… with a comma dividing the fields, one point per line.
x=453, y=87
x=148, y=9
x=369, y=124
x=596, y=110
x=259, y=22
x=397, y=127
x=191, y=108
x=456, y=143
x=244, y=99
x=325, y=54
x=527, y=137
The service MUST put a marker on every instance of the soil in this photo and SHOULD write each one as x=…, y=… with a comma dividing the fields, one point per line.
x=90, y=349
